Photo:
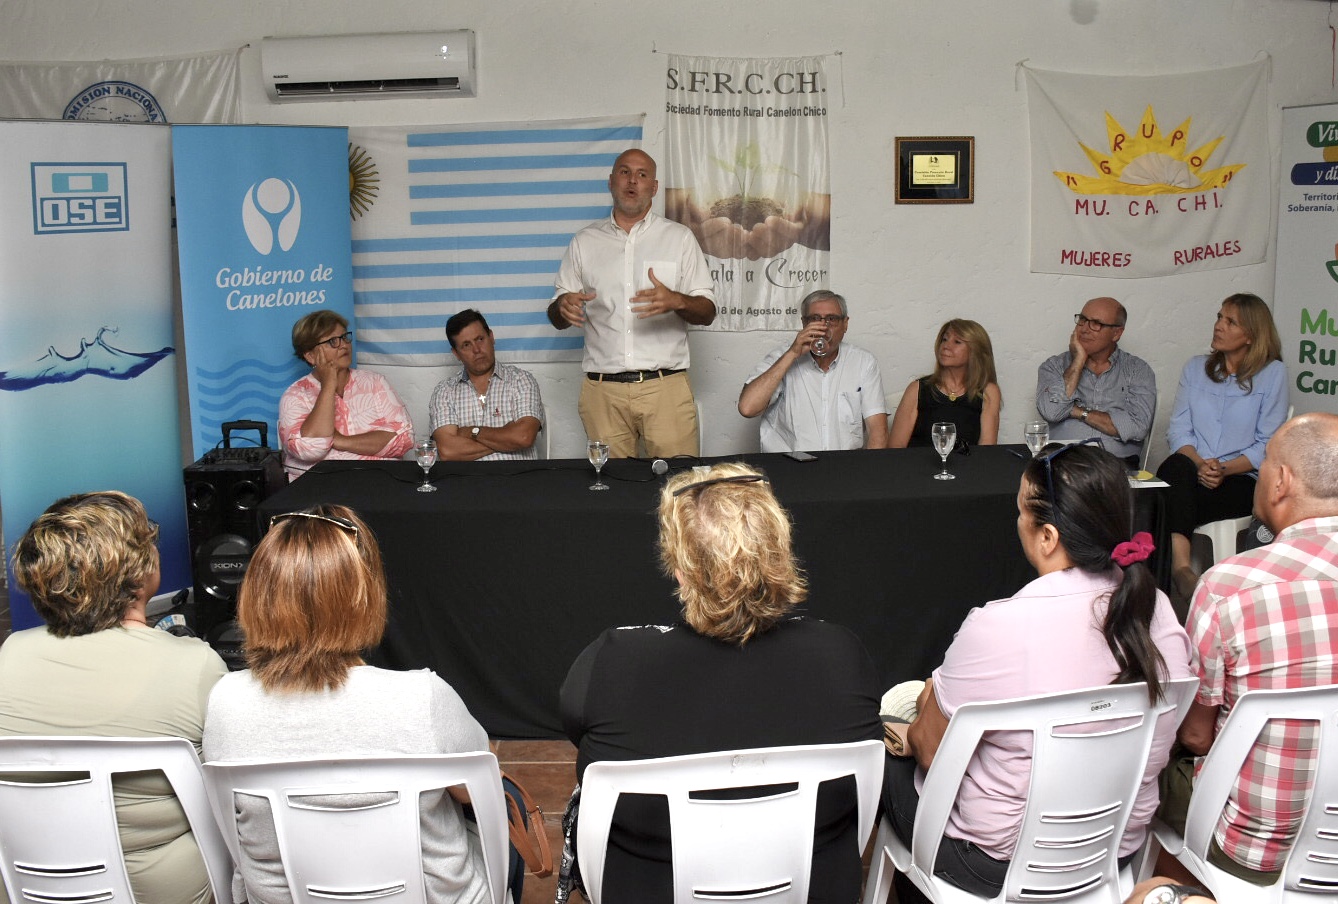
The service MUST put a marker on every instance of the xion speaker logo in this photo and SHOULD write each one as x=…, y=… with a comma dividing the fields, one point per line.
x=272, y=210
x=80, y=197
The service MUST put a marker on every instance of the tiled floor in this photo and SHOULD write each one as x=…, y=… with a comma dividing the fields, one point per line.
x=547, y=769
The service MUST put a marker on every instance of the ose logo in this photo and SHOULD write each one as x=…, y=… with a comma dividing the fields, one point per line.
x=79, y=197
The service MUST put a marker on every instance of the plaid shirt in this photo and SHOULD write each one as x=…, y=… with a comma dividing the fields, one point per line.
x=1268, y=618
x=512, y=394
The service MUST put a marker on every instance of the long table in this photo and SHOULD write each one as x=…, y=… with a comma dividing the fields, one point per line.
x=498, y=580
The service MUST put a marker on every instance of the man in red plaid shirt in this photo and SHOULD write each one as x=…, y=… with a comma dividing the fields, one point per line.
x=1268, y=618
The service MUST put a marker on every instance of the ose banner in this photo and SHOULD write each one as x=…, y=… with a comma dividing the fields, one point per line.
x=88, y=388
x=1148, y=175
x=747, y=173
x=1306, y=290
x=263, y=238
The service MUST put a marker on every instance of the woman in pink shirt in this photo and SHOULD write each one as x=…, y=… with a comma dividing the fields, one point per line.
x=336, y=411
x=1094, y=616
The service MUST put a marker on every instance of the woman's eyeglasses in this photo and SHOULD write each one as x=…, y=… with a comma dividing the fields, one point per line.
x=342, y=523
x=703, y=484
x=334, y=342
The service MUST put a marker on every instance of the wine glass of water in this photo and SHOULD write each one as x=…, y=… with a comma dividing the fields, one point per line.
x=944, y=434
x=598, y=453
x=1037, y=434
x=425, y=453
x=819, y=347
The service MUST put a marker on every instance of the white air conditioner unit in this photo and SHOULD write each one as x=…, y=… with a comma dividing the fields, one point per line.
x=361, y=67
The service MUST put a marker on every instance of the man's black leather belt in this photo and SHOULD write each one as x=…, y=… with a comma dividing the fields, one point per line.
x=634, y=376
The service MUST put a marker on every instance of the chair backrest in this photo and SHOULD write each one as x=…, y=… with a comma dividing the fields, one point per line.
x=58, y=836
x=546, y=435
x=1312, y=863
x=367, y=850
x=1090, y=750
x=756, y=848
x=1147, y=440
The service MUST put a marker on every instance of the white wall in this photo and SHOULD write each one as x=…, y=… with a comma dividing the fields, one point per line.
x=910, y=67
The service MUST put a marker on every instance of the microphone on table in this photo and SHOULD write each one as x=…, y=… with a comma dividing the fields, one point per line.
x=659, y=467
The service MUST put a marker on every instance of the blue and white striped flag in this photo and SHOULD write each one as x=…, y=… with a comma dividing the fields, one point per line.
x=460, y=216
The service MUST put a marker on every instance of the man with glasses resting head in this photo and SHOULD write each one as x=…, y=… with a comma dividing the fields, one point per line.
x=335, y=411
x=1096, y=388
x=818, y=393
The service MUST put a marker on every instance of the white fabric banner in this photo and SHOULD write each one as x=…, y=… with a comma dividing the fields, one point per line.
x=1305, y=303
x=747, y=172
x=1148, y=175
x=473, y=216
x=187, y=89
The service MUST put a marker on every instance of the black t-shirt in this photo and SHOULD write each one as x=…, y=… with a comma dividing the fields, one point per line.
x=657, y=691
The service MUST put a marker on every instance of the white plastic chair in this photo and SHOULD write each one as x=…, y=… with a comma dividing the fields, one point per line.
x=1310, y=872
x=1147, y=439
x=1083, y=785
x=364, y=852
x=1222, y=535
x=58, y=839
x=757, y=848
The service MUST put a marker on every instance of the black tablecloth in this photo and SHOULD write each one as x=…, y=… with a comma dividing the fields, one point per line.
x=499, y=579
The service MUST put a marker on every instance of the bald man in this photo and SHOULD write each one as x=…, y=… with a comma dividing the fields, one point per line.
x=634, y=282
x=1096, y=388
x=1268, y=618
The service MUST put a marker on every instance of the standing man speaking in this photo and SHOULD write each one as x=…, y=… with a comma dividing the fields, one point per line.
x=634, y=282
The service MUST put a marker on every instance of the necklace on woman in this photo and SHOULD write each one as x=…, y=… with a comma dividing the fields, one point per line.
x=952, y=396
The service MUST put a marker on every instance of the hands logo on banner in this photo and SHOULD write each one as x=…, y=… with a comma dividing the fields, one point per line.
x=272, y=209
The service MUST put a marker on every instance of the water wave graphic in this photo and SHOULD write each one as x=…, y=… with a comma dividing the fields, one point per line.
x=94, y=359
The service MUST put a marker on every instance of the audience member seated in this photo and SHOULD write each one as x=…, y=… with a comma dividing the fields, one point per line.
x=962, y=389
x=313, y=598
x=1228, y=405
x=817, y=393
x=1265, y=619
x=739, y=670
x=1097, y=389
x=1093, y=617
x=337, y=412
x=487, y=411
x=90, y=565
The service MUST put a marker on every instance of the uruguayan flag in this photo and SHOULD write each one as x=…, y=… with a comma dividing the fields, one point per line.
x=472, y=216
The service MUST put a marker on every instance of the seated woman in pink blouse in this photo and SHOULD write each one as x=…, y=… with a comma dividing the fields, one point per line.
x=335, y=411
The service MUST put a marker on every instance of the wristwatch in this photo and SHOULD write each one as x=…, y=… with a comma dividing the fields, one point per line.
x=1171, y=894
x=474, y=433
x=1083, y=417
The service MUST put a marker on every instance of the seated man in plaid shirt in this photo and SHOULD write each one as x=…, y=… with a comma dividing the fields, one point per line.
x=1268, y=618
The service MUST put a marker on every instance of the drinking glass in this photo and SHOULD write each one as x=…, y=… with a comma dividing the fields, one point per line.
x=426, y=455
x=1037, y=434
x=819, y=347
x=598, y=453
x=945, y=437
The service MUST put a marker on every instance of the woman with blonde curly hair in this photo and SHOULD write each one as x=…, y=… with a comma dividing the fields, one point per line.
x=90, y=565
x=740, y=669
x=963, y=388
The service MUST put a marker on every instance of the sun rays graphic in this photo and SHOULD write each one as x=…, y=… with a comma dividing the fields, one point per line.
x=364, y=183
x=1149, y=163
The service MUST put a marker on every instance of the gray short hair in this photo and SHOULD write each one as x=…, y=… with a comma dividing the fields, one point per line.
x=813, y=298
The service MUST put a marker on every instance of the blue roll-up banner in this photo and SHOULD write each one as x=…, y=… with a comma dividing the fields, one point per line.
x=88, y=388
x=263, y=238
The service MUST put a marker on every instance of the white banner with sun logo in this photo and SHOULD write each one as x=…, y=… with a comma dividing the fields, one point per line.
x=747, y=171
x=1138, y=176
x=197, y=88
